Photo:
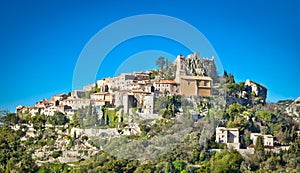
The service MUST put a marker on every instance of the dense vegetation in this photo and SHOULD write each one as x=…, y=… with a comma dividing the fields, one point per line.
x=196, y=152
x=189, y=156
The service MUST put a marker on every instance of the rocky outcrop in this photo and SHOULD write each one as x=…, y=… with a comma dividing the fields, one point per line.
x=246, y=93
x=256, y=90
x=193, y=65
x=294, y=109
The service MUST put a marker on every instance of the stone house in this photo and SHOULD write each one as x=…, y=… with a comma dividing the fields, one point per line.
x=102, y=98
x=119, y=97
x=105, y=84
x=89, y=87
x=267, y=139
x=166, y=86
x=195, y=85
x=44, y=103
x=124, y=81
x=228, y=136
x=76, y=103
x=59, y=97
x=141, y=76
x=76, y=94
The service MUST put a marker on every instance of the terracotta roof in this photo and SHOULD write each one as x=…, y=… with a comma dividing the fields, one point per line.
x=196, y=77
x=101, y=93
x=166, y=82
x=58, y=95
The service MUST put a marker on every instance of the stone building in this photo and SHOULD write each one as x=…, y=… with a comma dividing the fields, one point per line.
x=124, y=81
x=166, y=86
x=195, y=85
x=76, y=94
x=229, y=136
x=76, y=103
x=89, y=87
x=258, y=89
x=59, y=97
x=267, y=139
x=119, y=97
x=102, y=98
x=194, y=65
x=105, y=84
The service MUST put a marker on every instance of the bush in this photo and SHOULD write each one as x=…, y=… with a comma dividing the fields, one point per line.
x=56, y=154
x=84, y=138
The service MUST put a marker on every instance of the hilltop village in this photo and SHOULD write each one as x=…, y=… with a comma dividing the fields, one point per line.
x=232, y=118
x=129, y=90
x=141, y=89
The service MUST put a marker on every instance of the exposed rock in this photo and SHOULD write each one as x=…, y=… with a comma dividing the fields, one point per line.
x=246, y=93
x=194, y=65
x=257, y=89
x=294, y=109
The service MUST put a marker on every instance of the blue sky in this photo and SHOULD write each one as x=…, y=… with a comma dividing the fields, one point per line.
x=42, y=40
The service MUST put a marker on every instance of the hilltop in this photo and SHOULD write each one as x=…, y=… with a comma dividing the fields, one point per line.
x=181, y=116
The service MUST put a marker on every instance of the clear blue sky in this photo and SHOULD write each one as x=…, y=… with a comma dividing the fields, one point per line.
x=41, y=41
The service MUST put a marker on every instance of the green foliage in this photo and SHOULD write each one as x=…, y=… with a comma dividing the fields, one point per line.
x=166, y=69
x=56, y=153
x=84, y=138
x=265, y=116
x=167, y=167
x=179, y=165
x=113, y=119
x=57, y=119
x=153, y=74
x=187, y=156
x=87, y=117
x=228, y=77
x=160, y=62
x=11, y=118
x=239, y=122
x=226, y=161
x=54, y=167
x=14, y=157
x=167, y=106
x=234, y=110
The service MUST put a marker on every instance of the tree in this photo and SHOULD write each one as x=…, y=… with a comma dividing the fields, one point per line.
x=229, y=77
x=58, y=118
x=259, y=151
x=225, y=75
x=160, y=62
x=226, y=161
x=265, y=115
x=12, y=118
x=234, y=110
x=167, y=167
x=179, y=165
x=3, y=113
x=259, y=145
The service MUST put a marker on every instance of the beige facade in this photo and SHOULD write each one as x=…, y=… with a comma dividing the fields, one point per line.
x=105, y=84
x=166, y=86
x=124, y=81
x=89, y=87
x=195, y=85
x=140, y=76
x=76, y=94
x=44, y=103
x=76, y=103
x=59, y=97
x=229, y=136
x=102, y=98
x=267, y=139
